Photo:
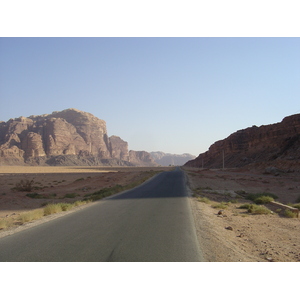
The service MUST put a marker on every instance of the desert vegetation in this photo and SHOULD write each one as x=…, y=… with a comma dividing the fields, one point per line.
x=60, y=201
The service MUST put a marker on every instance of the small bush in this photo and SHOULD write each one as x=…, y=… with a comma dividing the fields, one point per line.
x=106, y=192
x=35, y=196
x=245, y=206
x=290, y=214
x=31, y=215
x=70, y=195
x=234, y=200
x=298, y=199
x=24, y=186
x=66, y=206
x=258, y=210
x=203, y=199
x=252, y=197
x=241, y=193
x=79, y=203
x=263, y=200
x=52, y=209
x=40, y=196
x=295, y=205
x=79, y=179
x=4, y=223
x=222, y=205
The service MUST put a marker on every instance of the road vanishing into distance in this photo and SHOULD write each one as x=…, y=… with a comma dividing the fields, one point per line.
x=150, y=223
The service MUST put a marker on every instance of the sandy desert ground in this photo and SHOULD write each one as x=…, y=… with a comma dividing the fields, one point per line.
x=235, y=235
x=57, y=182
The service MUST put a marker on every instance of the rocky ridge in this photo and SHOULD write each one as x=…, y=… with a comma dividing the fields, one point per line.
x=68, y=137
x=167, y=159
x=276, y=145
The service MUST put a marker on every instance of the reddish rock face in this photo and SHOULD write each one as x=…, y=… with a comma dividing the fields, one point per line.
x=277, y=144
x=119, y=148
x=141, y=158
x=33, y=145
x=67, y=137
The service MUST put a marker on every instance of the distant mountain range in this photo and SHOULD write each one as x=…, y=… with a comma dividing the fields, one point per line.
x=167, y=159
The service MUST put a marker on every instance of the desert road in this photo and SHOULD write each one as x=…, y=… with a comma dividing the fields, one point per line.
x=150, y=223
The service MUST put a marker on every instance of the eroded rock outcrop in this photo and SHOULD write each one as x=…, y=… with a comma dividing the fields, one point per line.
x=68, y=137
x=167, y=159
x=119, y=148
x=276, y=144
x=141, y=158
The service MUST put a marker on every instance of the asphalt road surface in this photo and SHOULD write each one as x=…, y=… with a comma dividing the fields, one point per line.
x=151, y=223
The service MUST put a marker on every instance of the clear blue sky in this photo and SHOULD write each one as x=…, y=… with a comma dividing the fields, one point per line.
x=176, y=95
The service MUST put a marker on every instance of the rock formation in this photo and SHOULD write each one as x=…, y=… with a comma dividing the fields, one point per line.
x=141, y=158
x=119, y=148
x=275, y=145
x=68, y=137
x=167, y=159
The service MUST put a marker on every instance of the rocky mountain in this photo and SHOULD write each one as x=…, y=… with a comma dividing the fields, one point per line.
x=166, y=159
x=276, y=145
x=68, y=137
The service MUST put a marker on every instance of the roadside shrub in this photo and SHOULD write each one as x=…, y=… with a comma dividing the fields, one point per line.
x=203, y=199
x=263, y=200
x=258, y=210
x=4, y=223
x=106, y=192
x=234, y=200
x=52, y=209
x=245, y=206
x=290, y=214
x=252, y=197
x=66, y=206
x=295, y=205
x=222, y=205
x=31, y=215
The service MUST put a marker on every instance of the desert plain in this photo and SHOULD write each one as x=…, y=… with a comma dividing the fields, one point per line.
x=225, y=232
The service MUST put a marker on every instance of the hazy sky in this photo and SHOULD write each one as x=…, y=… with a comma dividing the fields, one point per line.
x=176, y=95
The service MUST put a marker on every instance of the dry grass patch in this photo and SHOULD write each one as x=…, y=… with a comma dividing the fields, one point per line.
x=31, y=215
x=52, y=209
x=290, y=214
x=5, y=223
x=222, y=205
x=204, y=200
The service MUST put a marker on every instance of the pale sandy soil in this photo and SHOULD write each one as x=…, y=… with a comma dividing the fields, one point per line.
x=253, y=237
x=56, y=182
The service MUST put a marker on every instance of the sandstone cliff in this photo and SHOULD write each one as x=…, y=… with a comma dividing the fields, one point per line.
x=275, y=145
x=68, y=137
x=141, y=158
